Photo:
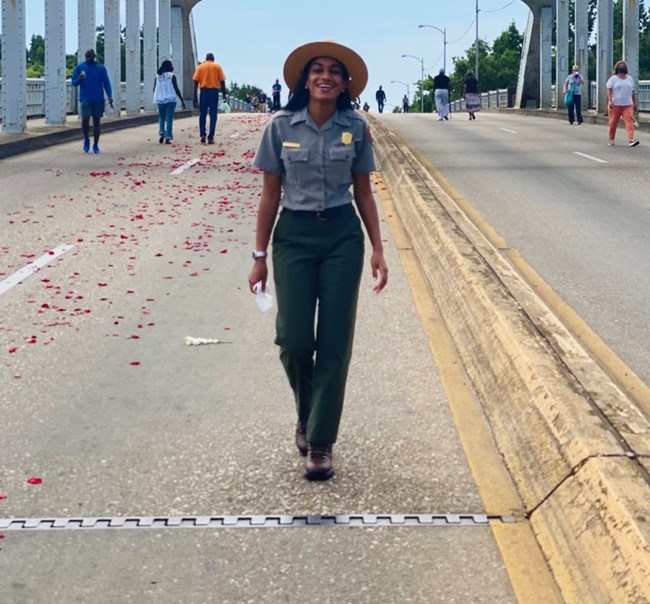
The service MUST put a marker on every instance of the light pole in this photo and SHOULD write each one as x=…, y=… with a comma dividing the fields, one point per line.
x=444, y=43
x=476, y=45
x=421, y=79
x=408, y=90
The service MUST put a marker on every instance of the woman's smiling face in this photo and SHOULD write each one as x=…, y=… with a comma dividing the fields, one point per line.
x=326, y=79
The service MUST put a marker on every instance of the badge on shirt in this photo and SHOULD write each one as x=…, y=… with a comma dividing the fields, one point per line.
x=290, y=144
x=346, y=138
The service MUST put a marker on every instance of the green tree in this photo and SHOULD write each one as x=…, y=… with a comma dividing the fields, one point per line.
x=36, y=57
x=240, y=92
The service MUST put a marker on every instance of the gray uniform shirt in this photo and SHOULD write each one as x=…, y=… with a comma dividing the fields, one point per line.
x=316, y=164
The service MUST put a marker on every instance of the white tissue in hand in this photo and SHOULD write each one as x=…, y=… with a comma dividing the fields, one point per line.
x=263, y=298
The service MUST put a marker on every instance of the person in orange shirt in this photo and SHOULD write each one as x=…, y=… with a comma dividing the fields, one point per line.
x=209, y=77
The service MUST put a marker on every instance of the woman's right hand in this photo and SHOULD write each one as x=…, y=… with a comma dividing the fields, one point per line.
x=259, y=272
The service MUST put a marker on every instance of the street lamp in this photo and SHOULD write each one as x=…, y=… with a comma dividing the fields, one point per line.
x=408, y=90
x=476, y=45
x=444, y=43
x=421, y=79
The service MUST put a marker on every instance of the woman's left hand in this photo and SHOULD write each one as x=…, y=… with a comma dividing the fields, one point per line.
x=379, y=271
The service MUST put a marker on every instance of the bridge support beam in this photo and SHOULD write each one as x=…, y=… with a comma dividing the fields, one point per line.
x=150, y=54
x=604, y=61
x=545, y=45
x=581, y=50
x=165, y=31
x=14, y=64
x=133, y=57
x=561, y=50
x=631, y=37
x=55, y=98
x=86, y=27
x=112, y=58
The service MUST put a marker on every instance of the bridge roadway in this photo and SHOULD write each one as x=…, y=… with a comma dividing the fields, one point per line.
x=103, y=401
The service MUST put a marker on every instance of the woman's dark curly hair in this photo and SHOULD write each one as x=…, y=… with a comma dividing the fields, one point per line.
x=300, y=95
x=166, y=65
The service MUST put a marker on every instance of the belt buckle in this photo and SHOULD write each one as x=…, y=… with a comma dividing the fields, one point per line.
x=320, y=214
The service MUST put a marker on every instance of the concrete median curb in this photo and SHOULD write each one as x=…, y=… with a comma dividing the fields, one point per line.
x=572, y=440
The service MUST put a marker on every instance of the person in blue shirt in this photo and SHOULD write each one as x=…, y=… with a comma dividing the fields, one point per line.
x=277, y=91
x=92, y=79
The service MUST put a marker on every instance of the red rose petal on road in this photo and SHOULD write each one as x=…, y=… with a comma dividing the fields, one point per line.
x=34, y=480
x=134, y=363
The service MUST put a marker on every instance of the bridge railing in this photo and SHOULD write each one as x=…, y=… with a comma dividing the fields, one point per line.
x=36, y=98
x=505, y=97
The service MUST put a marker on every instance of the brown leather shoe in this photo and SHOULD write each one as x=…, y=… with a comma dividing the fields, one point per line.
x=301, y=436
x=318, y=465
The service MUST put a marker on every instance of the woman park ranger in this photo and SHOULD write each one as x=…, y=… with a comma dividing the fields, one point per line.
x=311, y=153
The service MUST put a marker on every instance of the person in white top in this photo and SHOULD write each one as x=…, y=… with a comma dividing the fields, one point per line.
x=165, y=91
x=621, y=102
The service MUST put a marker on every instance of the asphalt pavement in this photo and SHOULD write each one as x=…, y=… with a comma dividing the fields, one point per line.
x=154, y=471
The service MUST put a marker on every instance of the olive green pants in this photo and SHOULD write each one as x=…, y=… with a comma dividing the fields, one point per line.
x=317, y=263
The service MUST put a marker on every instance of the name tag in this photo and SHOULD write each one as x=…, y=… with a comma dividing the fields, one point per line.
x=346, y=138
x=290, y=144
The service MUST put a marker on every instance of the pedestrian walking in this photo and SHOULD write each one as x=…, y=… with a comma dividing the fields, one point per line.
x=262, y=102
x=317, y=157
x=621, y=102
x=472, y=95
x=441, y=95
x=277, y=94
x=165, y=91
x=209, y=77
x=92, y=79
x=380, y=97
x=573, y=95
x=405, y=104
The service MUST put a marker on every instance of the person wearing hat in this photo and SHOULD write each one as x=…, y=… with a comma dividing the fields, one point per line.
x=317, y=156
x=573, y=83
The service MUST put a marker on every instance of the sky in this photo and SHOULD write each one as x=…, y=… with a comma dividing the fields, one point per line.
x=252, y=38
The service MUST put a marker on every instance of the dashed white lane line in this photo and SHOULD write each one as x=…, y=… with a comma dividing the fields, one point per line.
x=601, y=161
x=510, y=131
x=185, y=166
x=32, y=267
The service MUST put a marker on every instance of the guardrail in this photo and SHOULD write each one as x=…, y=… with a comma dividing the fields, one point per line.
x=505, y=97
x=36, y=98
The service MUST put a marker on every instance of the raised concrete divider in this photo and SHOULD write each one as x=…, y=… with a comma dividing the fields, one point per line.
x=576, y=445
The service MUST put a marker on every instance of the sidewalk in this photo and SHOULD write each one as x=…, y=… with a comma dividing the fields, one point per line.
x=38, y=135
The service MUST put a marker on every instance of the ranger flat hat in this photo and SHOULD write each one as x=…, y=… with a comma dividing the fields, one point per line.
x=357, y=70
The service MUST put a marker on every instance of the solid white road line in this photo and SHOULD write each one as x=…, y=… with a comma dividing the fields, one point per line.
x=601, y=161
x=185, y=166
x=510, y=131
x=32, y=267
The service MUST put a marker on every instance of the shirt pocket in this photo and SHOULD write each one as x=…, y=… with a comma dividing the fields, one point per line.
x=296, y=163
x=340, y=164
